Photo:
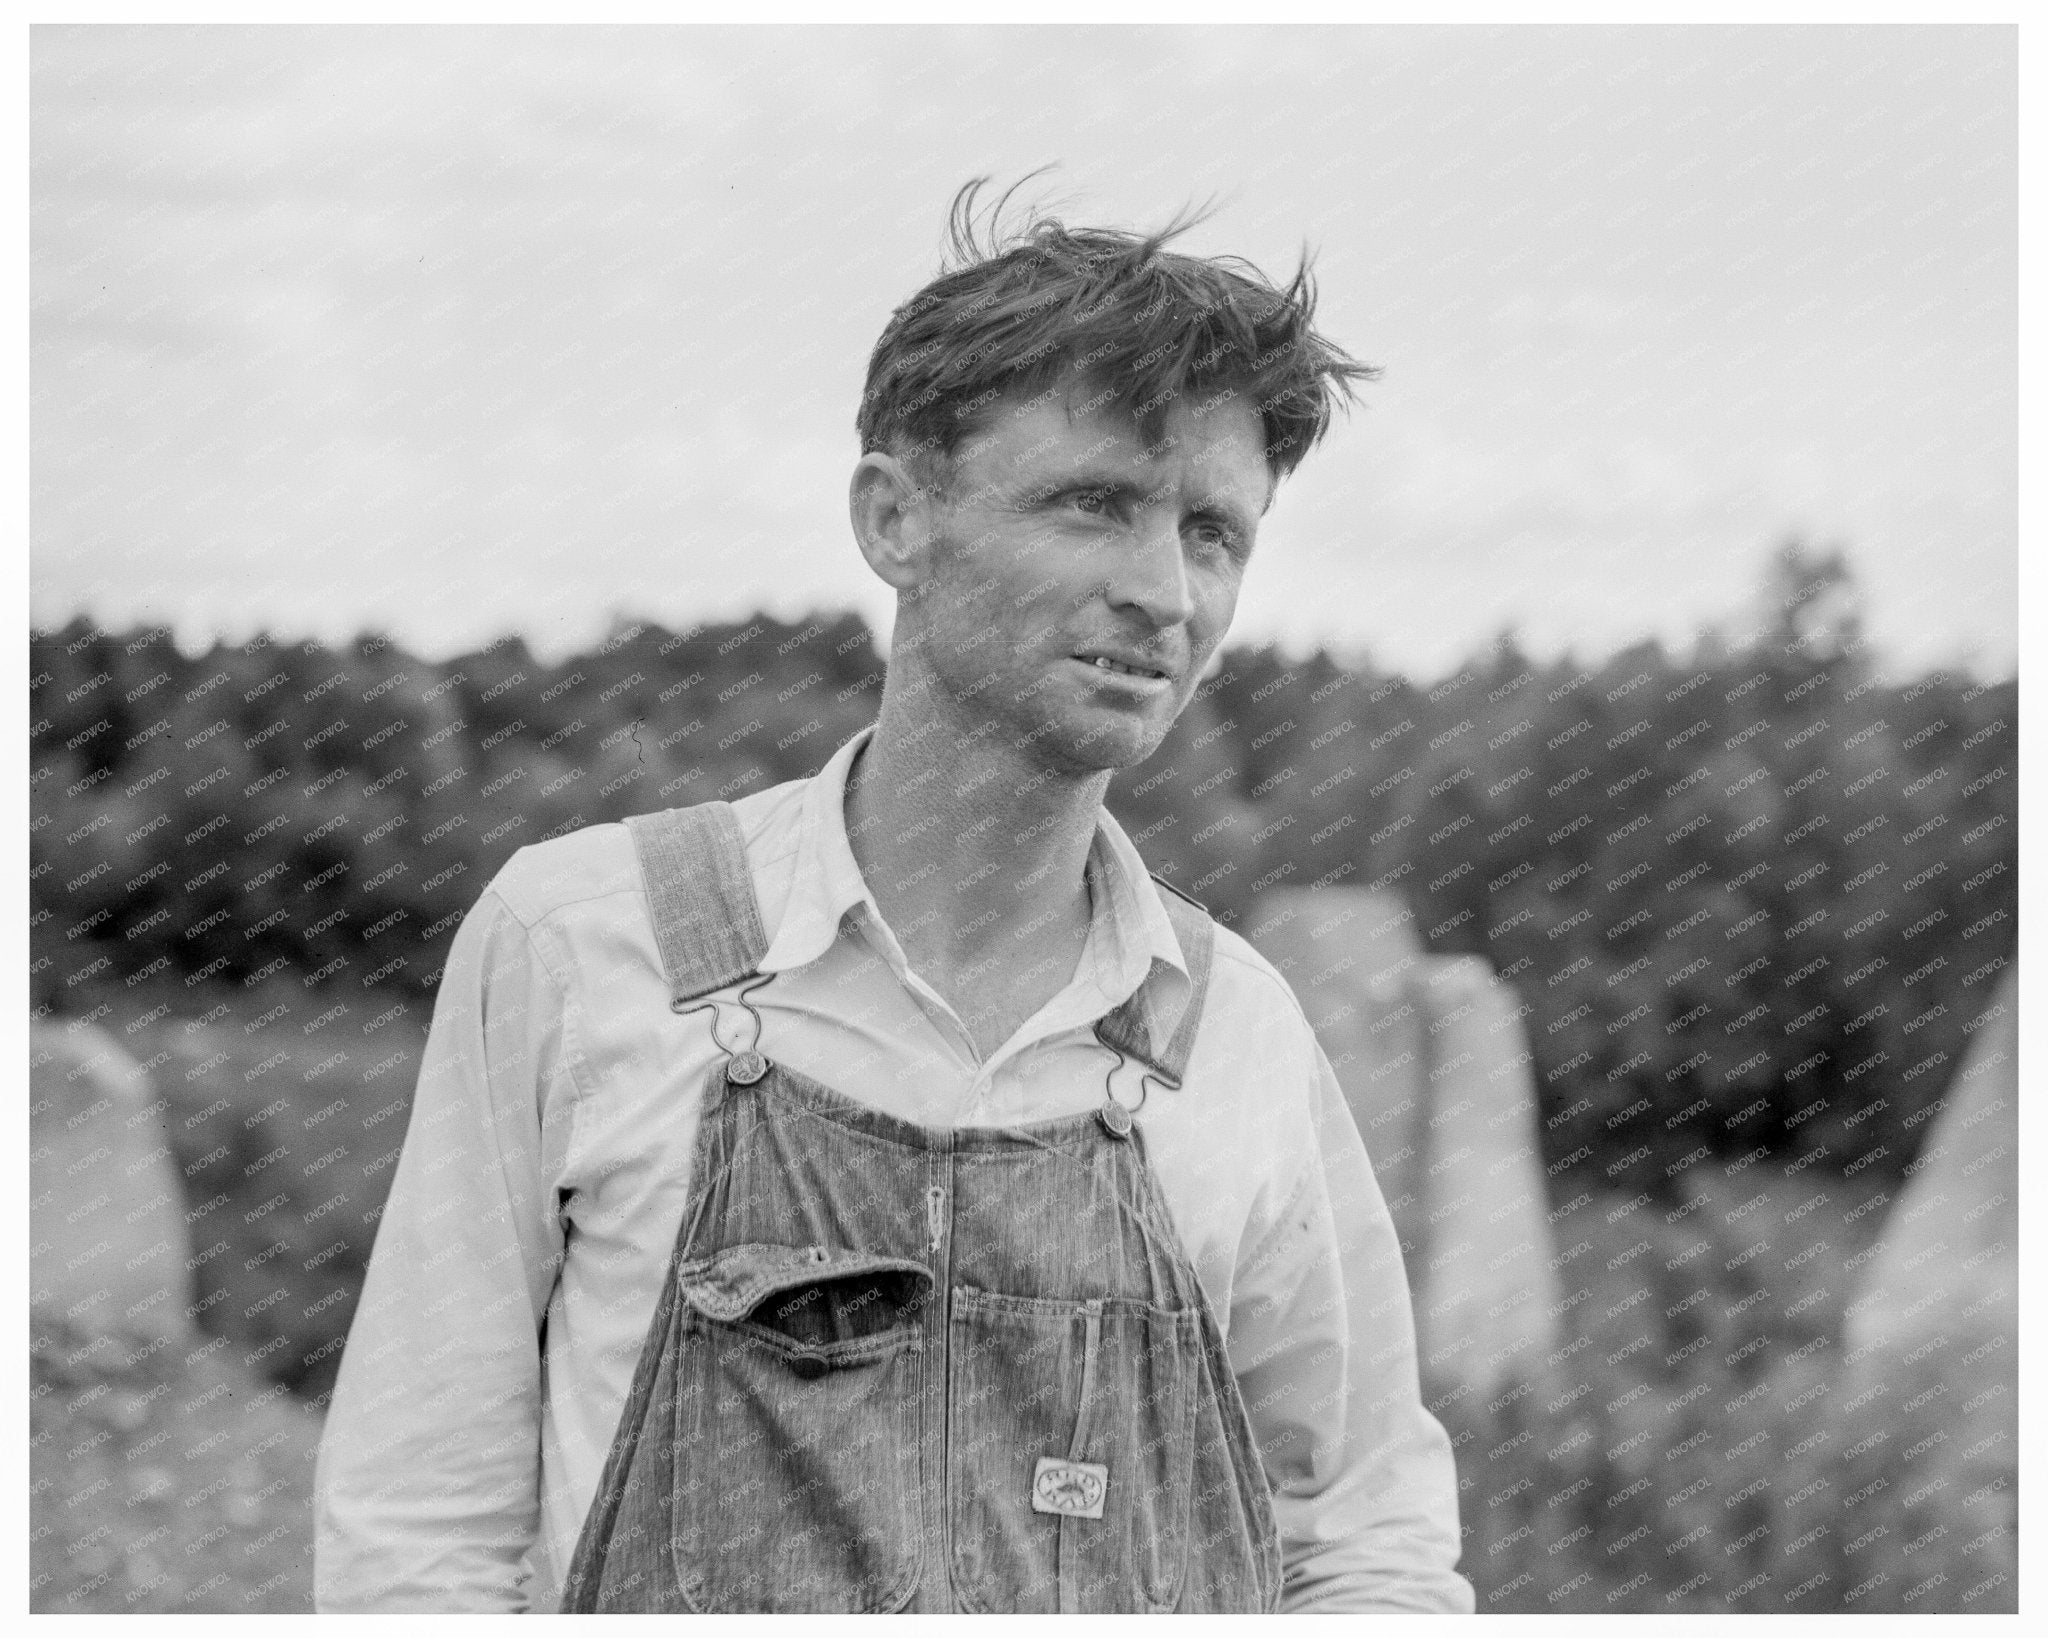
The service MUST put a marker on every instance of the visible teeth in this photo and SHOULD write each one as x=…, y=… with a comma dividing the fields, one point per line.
x=1118, y=666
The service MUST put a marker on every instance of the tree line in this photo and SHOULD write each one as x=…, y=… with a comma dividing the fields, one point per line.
x=1752, y=901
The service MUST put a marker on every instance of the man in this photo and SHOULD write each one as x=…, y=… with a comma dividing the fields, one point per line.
x=880, y=1194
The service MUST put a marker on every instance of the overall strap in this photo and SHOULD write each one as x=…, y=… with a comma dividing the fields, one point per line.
x=693, y=864
x=1136, y=1027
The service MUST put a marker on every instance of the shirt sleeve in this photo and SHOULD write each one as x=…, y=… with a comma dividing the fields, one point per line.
x=1322, y=1342
x=426, y=1489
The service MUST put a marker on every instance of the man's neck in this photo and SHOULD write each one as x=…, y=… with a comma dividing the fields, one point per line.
x=976, y=855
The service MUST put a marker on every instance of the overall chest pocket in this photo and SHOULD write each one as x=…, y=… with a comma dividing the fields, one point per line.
x=798, y=1375
x=1070, y=1452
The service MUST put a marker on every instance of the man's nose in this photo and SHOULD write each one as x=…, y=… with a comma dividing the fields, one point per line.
x=1152, y=574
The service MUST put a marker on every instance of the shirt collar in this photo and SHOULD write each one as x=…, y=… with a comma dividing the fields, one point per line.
x=825, y=882
x=1128, y=935
x=1137, y=939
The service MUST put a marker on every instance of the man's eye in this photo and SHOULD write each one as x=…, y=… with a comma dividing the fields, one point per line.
x=1214, y=536
x=1095, y=502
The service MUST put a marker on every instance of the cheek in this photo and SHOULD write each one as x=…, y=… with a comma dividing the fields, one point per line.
x=1049, y=579
x=1215, y=608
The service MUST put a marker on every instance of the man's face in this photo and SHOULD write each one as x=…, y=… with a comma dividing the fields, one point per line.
x=1079, y=581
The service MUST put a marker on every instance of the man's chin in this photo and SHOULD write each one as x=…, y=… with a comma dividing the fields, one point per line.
x=1102, y=747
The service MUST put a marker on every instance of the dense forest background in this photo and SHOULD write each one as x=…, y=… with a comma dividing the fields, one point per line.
x=1750, y=899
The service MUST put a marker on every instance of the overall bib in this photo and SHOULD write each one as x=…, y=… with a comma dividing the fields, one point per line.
x=899, y=1368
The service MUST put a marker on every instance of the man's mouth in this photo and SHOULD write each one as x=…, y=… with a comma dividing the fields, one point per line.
x=1122, y=668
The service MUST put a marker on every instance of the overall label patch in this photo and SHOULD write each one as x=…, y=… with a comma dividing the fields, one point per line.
x=1074, y=1489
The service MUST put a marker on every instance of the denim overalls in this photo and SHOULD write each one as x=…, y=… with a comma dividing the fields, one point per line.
x=899, y=1368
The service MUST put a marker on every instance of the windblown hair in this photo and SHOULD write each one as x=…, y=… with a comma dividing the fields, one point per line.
x=1040, y=307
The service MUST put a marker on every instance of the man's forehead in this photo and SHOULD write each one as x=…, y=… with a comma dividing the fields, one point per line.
x=1213, y=435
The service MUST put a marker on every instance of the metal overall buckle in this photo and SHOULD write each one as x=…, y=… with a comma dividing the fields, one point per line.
x=745, y=1067
x=1118, y=1118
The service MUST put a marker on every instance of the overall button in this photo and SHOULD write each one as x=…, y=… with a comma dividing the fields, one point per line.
x=807, y=1367
x=1115, y=1118
x=746, y=1068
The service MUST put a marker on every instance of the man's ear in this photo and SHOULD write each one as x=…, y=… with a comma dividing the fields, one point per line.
x=891, y=520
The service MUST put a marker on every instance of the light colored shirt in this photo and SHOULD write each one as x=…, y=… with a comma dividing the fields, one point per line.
x=545, y=1168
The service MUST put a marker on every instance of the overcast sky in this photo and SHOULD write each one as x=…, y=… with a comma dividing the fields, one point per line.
x=457, y=331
